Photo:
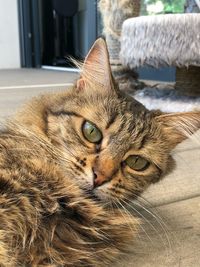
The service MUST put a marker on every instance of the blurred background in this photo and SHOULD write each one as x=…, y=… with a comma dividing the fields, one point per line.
x=44, y=33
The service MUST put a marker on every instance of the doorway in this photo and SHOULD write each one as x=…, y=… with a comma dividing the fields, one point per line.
x=51, y=31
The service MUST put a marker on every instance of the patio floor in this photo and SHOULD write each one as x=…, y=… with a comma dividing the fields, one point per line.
x=173, y=239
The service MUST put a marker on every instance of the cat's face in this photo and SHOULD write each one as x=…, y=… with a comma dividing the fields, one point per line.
x=110, y=144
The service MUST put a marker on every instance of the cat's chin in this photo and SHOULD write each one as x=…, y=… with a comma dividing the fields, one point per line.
x=103, y=196
x=97, y=194
x=94, y=194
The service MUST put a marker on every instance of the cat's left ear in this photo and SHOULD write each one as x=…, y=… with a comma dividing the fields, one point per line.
x=96, y=69
x=179, y=126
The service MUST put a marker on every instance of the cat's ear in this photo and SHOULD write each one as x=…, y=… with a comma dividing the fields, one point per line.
x=179, y=126
x=96, y=68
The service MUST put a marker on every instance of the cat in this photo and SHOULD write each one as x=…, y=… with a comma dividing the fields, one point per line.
x=69, y=161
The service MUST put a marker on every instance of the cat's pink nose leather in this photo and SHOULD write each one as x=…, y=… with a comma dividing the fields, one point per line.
x=100, y=179
x=103, y=172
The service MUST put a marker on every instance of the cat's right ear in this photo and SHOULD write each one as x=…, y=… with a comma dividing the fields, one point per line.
x=179, y=126
x=96, y=72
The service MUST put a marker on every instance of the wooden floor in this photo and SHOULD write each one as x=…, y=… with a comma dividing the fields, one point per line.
x=170, y=233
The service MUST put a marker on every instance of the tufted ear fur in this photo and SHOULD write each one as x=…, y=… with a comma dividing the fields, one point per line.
x=179, y=126
x=96, y=68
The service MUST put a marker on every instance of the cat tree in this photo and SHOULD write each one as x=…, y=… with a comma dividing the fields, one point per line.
x=165, y=40
x=114, y=13
x=162, y=40
x=192, y=6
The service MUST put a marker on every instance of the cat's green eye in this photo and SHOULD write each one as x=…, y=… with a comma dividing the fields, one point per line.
x=91, y=132
x=137, y=163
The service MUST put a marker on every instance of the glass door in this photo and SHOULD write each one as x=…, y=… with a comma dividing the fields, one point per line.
x=53, y=30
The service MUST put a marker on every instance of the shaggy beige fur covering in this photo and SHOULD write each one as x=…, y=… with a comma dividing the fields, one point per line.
x=161, y=40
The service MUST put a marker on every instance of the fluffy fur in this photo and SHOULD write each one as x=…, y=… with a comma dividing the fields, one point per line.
x=161, y=40
x=167, y=100
x=51, y=212
x=113, y=15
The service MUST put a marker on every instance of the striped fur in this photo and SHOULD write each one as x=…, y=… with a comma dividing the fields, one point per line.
x=50, y=212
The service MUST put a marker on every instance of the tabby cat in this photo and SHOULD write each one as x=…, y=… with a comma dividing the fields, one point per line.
x=67, y=161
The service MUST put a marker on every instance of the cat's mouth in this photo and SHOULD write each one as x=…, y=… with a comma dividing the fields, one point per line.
x=92, y=189
x=94, y=192
x=90, y=193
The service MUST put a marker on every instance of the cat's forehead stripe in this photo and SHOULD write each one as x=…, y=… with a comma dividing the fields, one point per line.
x=64, y=112
x=111, y=119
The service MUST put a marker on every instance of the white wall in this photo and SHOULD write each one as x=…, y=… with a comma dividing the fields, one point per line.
x=9, y=35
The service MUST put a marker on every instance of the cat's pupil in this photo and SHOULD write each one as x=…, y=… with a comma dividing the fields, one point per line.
x=137, y=163
x=91, y=132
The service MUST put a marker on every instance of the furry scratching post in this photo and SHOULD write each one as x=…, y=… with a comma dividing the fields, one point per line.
x=113, y=15
x=165, y=40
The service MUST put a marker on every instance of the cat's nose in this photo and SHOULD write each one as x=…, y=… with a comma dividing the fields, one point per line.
x=99, y=178
x=103, y=170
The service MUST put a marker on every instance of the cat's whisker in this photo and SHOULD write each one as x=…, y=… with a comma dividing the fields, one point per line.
x=130, y=215
x=163, y=227
x=151, y=225
x=141, y=199
x=153, y=214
